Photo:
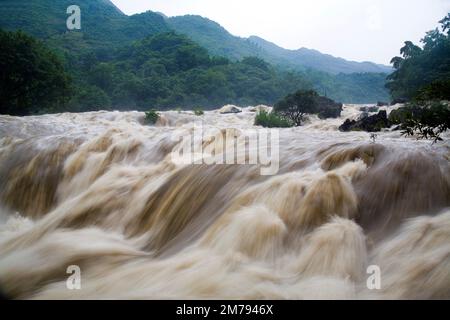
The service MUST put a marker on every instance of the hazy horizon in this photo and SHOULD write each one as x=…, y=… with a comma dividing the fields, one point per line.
x=354, y=30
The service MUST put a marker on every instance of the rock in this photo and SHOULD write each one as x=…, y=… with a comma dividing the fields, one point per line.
x=401, y=114
x=363, y=115
x=370, y=124
x=327, y=108
x=369, y=109
x=230, y=109
x=399, y=101
x=398, y=116
x=260, y=108
x=347, y=125
x=382, y=104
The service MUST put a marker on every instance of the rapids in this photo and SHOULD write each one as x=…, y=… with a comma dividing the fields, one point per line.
x=99, y=190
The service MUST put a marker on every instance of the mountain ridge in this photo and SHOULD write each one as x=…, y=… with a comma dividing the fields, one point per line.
x=376, y=67
x=105, y=22
x=107, y=33
x=207, y=33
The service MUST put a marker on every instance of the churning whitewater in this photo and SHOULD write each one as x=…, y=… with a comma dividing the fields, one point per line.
x=100, y=191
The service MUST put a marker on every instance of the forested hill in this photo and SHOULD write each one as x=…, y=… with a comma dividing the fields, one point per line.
x=309, y=58
x=169, y=71
x=104, y=26
x=220, y=42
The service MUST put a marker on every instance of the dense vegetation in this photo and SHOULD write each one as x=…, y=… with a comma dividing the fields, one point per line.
x=422, y=76
x=169, y=70
x=425, y=120
x=32, y=78
x=341, y=80
x=292, y=110
x=297, y=105
x=122, y=62
x=219, y=41
x=271, y=120
x=103, y=26
x=151, y=117
x=423, y=73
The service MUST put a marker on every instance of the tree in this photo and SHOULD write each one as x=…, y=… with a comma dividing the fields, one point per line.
x=423, y=73
x=295, y=106
x=410, y=50
x=397, y=62
x=89, y=98
x=427, y=122
x=432, y=39
x=445, y=23
x=256, y=62
x=31, y=77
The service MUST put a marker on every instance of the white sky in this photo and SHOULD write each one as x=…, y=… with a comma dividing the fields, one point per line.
x=360, y=30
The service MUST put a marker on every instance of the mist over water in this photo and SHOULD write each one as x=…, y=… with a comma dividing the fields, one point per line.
x=100, y=190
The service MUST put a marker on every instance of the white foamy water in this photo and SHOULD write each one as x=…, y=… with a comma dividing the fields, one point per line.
x=99, y=190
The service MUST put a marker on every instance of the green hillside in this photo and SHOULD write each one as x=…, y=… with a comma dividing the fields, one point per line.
x=220, y=42
x=103, y=24
x=313, y=59
x=214, y=37
x=107, y=72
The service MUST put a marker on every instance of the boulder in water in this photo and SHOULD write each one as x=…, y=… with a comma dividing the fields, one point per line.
x=369, y=109
x=370, y=124
x=230, y=109
x=327, y=108
x=260, y=108
x=399, y=101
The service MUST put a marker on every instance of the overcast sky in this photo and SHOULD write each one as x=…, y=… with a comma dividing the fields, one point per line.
x=360, y=30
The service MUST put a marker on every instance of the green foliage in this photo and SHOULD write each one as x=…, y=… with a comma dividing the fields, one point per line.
x=32, y=77
x=89, y=98
x=427, y=122
x=169, y=69
x=151, y=117
x=335, y=78
x=271, y=120
x=198, y=111
x=422, y=74
x=220, y=42
x=295, y=106
x=438, y=89
x=134, y=61
x=103, y=26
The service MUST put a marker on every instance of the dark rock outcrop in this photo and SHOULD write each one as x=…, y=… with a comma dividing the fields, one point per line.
x=370, y=124
x=399, y=100
x=327, y=108
x=382, y=104
x=369, y=109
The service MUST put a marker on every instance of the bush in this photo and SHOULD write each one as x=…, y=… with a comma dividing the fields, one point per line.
x=403, y=114
x=89, y=98
x=437, y=90
x=198, y=112
x=271, y=120
x=32, y=77
x=295, y=106
x=151, y=117
x=427, y=122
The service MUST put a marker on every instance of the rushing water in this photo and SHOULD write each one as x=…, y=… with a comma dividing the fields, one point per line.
x=100, y=190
